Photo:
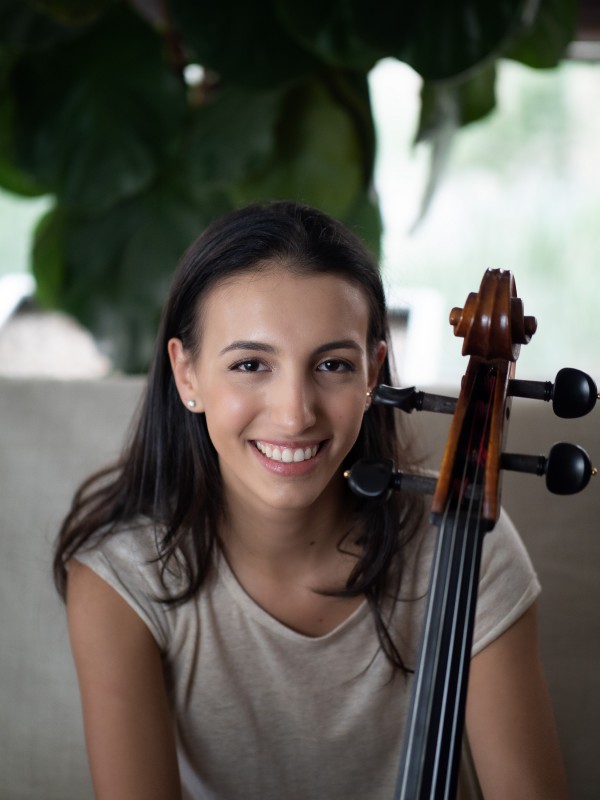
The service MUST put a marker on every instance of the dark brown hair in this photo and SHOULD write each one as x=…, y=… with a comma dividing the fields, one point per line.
x=168, y=472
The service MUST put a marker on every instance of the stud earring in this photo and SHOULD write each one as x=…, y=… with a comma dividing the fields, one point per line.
x=191, y=403
x=368, y=400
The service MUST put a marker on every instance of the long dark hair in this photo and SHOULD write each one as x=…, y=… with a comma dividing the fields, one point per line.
x=168, y=473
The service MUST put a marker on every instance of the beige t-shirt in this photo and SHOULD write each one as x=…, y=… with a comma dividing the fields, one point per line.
x=265, y=713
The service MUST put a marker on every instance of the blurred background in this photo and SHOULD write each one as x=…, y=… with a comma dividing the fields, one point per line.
x=521, y=192
x=451, y=141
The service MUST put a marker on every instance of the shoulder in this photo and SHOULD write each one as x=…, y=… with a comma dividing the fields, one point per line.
x=508, y=583
x=127, y=560
x=504, y=551
x=129, y=551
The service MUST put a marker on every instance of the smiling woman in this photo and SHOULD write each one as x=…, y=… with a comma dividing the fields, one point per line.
x=266, y=376
x=242, y=625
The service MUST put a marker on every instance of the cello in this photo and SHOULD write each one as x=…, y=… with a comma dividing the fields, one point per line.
x=464, y=509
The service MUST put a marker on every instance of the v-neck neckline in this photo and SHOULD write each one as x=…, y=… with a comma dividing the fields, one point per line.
x=260, y=615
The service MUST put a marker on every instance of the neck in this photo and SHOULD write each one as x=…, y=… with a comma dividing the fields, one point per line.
x=288, y=541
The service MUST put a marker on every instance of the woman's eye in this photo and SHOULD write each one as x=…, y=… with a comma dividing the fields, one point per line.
x=335, y=365
x=249, y=365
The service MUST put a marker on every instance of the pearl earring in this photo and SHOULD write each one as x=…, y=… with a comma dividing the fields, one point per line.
x=191, y=403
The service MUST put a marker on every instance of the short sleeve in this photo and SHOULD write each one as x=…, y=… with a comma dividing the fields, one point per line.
x=508, y=584
x=126, y=560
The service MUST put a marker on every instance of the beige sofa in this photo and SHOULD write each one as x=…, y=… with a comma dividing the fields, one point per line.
x=54, y=433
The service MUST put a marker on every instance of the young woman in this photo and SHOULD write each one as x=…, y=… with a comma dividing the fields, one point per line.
x=243, y=626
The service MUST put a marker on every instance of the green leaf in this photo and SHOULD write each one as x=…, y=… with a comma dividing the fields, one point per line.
x=235, y=132
x=476, y=94
x=12, y=177
x=318, y=158
x=449, y=39
x=445, y=107
x=364, y=218
x=99, y=114
x=453, y=103
x=544, y=43
x=387, y=26
x=330, y=30
x=48, y=258
x=112, y=272
x=243, y=42
x=96, y=118
x=23, y=27
x=74, y=12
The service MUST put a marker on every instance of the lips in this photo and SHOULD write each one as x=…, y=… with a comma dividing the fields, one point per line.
x=287, y=455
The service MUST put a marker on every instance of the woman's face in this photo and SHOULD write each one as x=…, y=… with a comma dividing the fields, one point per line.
x=281, y=375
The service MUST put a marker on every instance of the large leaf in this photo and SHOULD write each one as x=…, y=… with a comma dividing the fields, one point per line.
x=74, y=12
x=112, y=272
x=318, y=157
x=96, y=118
x=450, y=39
x=233, y=133
x=12, y=177
x=98, y=114
x=24, y=27
x=445, y=107
x=331, y=30
x=242, y=41
x=544, y=43
x=457, y=102
x=48, y=258
x=364, y=218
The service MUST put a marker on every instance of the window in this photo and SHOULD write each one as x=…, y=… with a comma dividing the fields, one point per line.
x=521, y=192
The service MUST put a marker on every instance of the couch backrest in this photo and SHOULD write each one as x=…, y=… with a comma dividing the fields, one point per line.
x=53, y=434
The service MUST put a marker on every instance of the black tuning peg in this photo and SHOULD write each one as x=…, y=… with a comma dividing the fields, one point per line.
x=573, y=393
x=410, y=399
x=567, y=468
x=374, y=480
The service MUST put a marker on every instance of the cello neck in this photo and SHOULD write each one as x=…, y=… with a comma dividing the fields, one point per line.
x=433, y=739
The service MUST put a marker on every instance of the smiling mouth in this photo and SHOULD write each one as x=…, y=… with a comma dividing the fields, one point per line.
x=287, y=455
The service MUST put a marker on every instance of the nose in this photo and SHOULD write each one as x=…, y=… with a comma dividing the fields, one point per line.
x=292, y=403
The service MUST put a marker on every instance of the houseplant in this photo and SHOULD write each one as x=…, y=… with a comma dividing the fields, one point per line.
x=104, y=107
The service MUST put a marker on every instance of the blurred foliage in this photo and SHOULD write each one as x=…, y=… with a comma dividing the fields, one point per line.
x=98, y=111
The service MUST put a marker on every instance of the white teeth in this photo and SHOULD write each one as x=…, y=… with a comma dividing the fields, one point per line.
x=287, y=454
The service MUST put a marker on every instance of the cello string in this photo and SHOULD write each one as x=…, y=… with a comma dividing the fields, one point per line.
x=437, y=610
x=423, y=696
x=471, y=552
x=465, y=560
x=447, y=553
x=455, y=567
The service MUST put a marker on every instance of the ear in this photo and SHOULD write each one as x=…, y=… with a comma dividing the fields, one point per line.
x=184, y=375
x=376, y=363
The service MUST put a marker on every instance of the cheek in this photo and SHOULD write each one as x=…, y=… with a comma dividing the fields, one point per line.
x=349, y=413
x=229, y=411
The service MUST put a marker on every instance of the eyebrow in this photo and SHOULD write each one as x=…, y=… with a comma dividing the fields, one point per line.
x=261, y=347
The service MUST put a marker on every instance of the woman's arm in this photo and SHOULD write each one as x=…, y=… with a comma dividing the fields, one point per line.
x=510, y=723
x=128, y=726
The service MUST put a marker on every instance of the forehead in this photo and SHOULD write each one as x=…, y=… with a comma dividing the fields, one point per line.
x=276, y=301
